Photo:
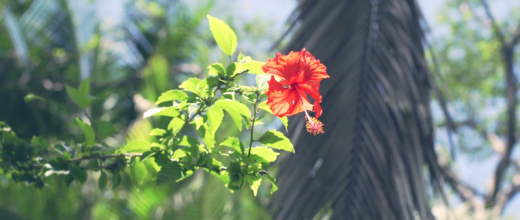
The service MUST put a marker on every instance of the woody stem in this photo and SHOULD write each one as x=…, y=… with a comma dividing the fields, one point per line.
x=253, y=122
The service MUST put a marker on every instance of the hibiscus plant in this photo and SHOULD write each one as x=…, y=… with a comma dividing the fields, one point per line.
x=192, y=140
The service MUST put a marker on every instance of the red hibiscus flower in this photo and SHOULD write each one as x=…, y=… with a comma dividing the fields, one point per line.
x=294, y=77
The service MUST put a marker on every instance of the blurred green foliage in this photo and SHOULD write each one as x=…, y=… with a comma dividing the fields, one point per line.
x=47, y=45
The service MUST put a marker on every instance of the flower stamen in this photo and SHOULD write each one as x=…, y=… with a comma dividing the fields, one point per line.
x=313, y=125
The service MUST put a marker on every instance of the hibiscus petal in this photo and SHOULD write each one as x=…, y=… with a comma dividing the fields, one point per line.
x=314, y=92
x=286, y=67
x=311, y=69
x=284, y=101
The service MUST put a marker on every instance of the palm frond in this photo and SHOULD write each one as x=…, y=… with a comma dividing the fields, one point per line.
x=15, y=33
x=378, y=129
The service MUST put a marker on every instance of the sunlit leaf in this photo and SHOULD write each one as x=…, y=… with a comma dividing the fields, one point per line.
x=254, y=182
x=176, y=124
x=253, y=67
x=206, y=136
x=137, y=146
x=31, y=97
x=238, y=112
x=157, y=132
x=277, y=140
x=234, y=143
x=172, y=95
x=167, y=111
x=190, y=85
x=217, y=69
x=215, y=116
x=264, y=154
x=224, y=35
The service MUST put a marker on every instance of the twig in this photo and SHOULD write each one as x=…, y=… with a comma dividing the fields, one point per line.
x=515, y=38
x=494, y=24
x=253, y=122
x=103, y=157
x=507, y=55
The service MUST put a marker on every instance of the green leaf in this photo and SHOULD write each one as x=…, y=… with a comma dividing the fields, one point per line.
x=206, y=136
x=179, y=153
x=273, y=183
x=78, y=173
x=189, y=142
x=176, y=124
x=192, y=144
x=231, y=69
x=31, y=97
x=137, y=146
x=90, y=136
x=80, y=95
x=199, y=121
x=116, y=179
x=285, y=120
x=224, y=35
x=250, y=97
x=234, y=143
x=172, y=95
x=105, y=128
x=264, y=154
x=68, y=179
x=190, y=85
x=80, y=99
x=146, y=155
x=205, y=87
x=157, y=132
x=277, y=140
x=253, y=67
x=40, y=141
x=254, y=182
x=84, y=86
x=169, y=173
x=261, y=81
x=217, y=69
x=237, y=111
x=102, y=182
x=269, y=177
x=139, y=173
x=215, y=116
x=167, y=111
x=263, y=105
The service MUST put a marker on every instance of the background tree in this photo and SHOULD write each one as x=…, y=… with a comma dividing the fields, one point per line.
x=477, y=63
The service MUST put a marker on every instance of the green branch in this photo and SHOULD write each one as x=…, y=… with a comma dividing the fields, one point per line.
x=255, y=106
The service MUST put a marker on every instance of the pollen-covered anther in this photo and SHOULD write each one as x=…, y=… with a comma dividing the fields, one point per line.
x=314, y=126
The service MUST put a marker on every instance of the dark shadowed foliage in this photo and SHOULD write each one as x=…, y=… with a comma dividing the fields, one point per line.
x=378, y=128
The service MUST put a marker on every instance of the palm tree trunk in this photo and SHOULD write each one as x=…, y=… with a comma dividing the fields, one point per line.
x=378, y=127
